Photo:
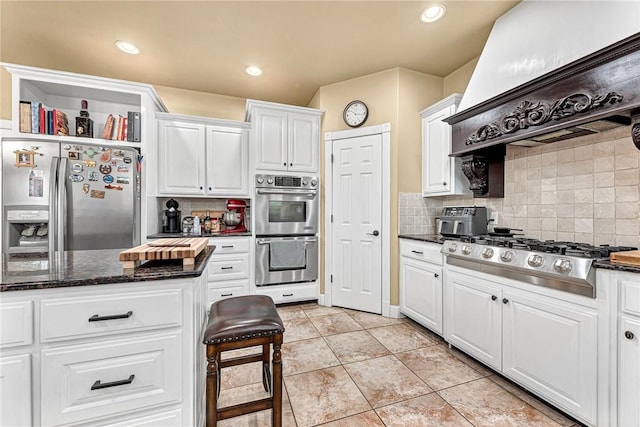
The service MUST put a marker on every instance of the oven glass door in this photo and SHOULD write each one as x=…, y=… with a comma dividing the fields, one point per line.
x=286, y=212
x=286, y=260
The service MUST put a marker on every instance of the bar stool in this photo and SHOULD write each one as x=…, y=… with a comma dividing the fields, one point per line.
x=241, y=322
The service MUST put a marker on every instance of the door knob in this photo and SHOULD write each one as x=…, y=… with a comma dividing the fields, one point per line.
x=375, y=233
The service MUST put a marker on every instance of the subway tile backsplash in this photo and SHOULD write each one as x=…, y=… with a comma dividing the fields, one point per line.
x=584, y=189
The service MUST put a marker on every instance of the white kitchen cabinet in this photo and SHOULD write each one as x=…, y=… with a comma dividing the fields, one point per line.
x=284, y=137
x=282, y=294
x=229, y=268
x=441, y=175
x=421, y=283
x=15, y=390
x=628, y=340
x=198, y=156
x=543, y=343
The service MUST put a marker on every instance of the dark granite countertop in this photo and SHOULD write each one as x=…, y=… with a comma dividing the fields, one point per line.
x=180, y=235
x=91, y=267
x=433, y=238
x=608, y=265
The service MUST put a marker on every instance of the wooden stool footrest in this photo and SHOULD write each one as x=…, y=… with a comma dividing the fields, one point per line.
x=244, y=408
x=241, y=360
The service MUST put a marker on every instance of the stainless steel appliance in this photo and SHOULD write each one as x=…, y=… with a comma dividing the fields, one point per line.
x=286, y=205
x=234, y=218
x=289, y=259
x=74, y=196
x=566, y=266
x=463, y=221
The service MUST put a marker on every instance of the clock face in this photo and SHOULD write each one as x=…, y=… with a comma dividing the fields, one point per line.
x=355, y=113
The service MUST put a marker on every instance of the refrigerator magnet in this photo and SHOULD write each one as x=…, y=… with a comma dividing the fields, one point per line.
x=66, y=147
x=85, y=188
x=25, y=159
x=90, y=152
x=123, y=168
x=90, y=163
x=114, y=162
x=77, y=167
x=122, y=179
x=76, y=178
x=92, y=176
x=97, y=194
x=105, y=169
x=108, y=179
x=36, y=187
x=127, y=160
x=118, y=153
x=73, y=155
x=105, y=157
x=113, y=187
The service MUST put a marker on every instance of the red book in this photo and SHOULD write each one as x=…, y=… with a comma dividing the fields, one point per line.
x=125, y=123
x=43, y=119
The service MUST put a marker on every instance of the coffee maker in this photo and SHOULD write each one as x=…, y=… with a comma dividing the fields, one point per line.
x=235, y=216
x=171, y=221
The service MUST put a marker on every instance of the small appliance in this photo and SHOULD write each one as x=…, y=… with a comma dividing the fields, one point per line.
x=463, y=221
x=234, y=218
x=171, y=224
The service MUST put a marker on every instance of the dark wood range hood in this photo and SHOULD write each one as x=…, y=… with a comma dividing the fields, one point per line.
x=592, y=94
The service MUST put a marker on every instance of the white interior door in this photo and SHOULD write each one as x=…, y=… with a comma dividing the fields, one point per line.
x=357, y=223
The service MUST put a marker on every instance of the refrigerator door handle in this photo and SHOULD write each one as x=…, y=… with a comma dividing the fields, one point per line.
x=52, y=225
x=61, y=217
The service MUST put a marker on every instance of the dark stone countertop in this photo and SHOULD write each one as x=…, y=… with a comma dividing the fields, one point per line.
x=181, y=235
x=608, y=265
x=433, y=238
x=91, y=267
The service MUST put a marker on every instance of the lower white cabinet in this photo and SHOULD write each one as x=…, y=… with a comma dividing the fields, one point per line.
x=421, y=283
x=281, y=294
x=229, y=268
x=628, y=343
x=15, y=390
x=546, y=344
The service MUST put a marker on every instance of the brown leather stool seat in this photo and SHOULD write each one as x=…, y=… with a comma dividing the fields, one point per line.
x=241, y=322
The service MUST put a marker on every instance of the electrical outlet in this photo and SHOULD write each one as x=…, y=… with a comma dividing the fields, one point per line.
x=494, y=217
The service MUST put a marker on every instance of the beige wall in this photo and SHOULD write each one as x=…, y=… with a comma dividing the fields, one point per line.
x=5, y=94
x=457, y=81
x=180, y=101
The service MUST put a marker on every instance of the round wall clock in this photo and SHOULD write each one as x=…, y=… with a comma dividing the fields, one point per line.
x=355, y=113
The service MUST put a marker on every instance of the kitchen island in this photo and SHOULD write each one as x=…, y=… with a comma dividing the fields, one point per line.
x=83, y=341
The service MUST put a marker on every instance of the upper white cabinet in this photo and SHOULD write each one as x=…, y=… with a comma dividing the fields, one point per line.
x=202, y=157
x=284, y=137
x=441, y=175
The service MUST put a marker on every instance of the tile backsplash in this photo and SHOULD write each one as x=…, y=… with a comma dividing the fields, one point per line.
x=584, y=189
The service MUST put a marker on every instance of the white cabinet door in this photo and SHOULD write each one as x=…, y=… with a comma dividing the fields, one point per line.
x=181, y=158
x=473, y=321
x=421, y=293
x=303, y=136
x=436, y=146
x=15, y=390
x=227, y=163
x=270, y=132
x=629, y=371
x=549, y=346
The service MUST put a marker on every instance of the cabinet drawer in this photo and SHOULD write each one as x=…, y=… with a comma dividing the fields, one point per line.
x=171, y=418
x=289, y=293
x=424, y=251
x=229, y=267
x=16, y=319
x=630, y=296
x=103, y=314
x=229, y=245
x=231, y=289
x=97, y=380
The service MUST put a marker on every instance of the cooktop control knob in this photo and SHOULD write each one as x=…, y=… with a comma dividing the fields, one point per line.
x=562, y=265
x=506, y=256
x=269, y=180
x=466, y=249
x=259, y=180
x=453, y=247
x=487, y=253
x=314, y=182
x=535, y=260
x=305, y=182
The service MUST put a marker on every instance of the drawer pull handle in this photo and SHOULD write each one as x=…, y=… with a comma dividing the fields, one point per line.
x=418, y=252
x=226, y=268
x=97, y=385
x=287, y=295
x=228, y=247
x=226, y=295
x=98, y=318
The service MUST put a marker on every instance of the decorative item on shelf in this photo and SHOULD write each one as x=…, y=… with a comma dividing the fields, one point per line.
x=84, y=124
x=60, y=123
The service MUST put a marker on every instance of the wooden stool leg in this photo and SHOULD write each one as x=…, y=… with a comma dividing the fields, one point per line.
x=213, y=370
x=276, y=414
x=219, y=360
x=266, y=369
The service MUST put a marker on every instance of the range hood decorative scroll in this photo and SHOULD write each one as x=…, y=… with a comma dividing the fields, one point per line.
x=528, y=114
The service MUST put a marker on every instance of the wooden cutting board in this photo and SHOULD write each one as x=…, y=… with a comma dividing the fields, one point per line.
x=626, y=257
x=163, y=249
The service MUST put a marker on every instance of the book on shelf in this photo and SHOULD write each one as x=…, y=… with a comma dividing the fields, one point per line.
x=108, y=127
x=49, y=122
x=25, y=116
x=130, y=126
x=61, y=123
x=136, y=127
x=125, y=125
x=43, y=119
x=35, y=117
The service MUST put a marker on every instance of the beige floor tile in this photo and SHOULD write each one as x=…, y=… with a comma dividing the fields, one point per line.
x=484, y=403
x=400, y=337
x=307, y=355
x=320, y=310
x=326, y=395
x=355, y=346
x=483, y=370
x=299, y=329
x=256, y=419
x=335, y=324
x=291, y=312
x=425, y=411
x=370, y=320
x=386, y=380
x=236, y=376
x=438, y=367
x=366, y=419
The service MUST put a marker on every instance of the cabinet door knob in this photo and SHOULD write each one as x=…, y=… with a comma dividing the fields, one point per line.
x=201, y=187
x=290, y=164
x=284, y=164
x=436, y=275
x=209, y=188
x=493, y=297
x=629, y=335
x=504, y=300
x=444, y=183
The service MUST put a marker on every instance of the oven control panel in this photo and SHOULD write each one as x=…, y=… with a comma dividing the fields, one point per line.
x=286, y=181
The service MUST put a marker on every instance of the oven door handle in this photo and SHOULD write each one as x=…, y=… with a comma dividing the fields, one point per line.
x=268, y=242
x=310, y=193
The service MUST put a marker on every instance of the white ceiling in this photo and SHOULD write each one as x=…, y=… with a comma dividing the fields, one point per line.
x=205, y=45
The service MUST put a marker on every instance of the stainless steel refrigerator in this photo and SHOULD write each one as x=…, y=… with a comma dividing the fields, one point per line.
x=62, y=196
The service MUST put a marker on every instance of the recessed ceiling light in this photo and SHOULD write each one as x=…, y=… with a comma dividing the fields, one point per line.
x=252, y=70
x=433, y=13
x=127, y=47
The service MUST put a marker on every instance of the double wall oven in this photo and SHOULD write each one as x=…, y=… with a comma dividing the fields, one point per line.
x=286, y=210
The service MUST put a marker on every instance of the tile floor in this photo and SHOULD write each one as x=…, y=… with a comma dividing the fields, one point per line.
x=345, y=368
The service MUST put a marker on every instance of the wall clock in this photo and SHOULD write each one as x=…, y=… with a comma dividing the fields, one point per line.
x=355, y=113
